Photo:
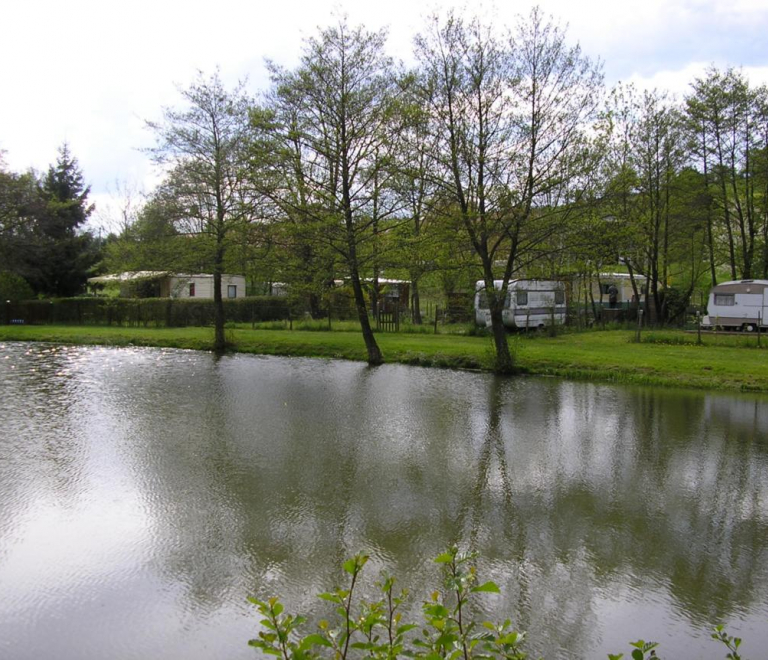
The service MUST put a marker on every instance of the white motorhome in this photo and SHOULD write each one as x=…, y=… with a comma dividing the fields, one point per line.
x=529, y=303
x=737, y=305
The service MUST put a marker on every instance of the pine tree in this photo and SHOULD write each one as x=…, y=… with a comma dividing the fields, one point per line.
x=64, y=252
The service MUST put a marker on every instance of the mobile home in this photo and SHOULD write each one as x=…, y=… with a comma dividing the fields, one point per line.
x=619, y=285
x=529, y=304
x=737, y=305
x=166, y=284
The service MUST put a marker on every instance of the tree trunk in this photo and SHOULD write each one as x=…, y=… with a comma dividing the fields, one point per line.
x=710, y=232
x=415, y=302
x=374, y=353
x=504, y=363
x=314, y=306
x=219, y=343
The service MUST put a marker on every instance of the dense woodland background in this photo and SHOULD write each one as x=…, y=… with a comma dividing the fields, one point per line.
x=499, y=155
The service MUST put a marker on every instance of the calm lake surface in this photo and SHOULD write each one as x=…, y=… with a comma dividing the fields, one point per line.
x=145, y=493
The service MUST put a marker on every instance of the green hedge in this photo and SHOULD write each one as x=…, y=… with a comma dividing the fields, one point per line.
x=155, y=312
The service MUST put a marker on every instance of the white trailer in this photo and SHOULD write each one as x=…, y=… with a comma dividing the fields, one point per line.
x=625, y=294
x=737, y=305
x=529, y=304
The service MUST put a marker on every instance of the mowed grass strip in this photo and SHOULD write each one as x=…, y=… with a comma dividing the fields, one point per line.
x=602, y=356
x=613, y=356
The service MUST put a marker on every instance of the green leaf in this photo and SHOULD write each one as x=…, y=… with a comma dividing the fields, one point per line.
x=314, y=640
x=637, y=654
x=363, y=646
x=436, y=610
x=264, y=648
x=350, y=566
x=446, y=639
x=331, y=598
x=510, y=639
x=444, y=558
x=401, y=630
x=488, y=587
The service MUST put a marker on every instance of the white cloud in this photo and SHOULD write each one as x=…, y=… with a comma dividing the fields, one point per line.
x=90, y=72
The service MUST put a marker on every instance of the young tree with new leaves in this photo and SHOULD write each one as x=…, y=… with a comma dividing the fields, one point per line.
x=728, y=124
x=511, y=115
x=324, y=146
x=205, y=146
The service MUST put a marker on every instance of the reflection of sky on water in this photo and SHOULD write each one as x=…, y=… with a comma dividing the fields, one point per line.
x=145, y=493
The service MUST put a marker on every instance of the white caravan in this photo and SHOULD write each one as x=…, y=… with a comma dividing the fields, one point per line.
x=738, y=305
x=529, y=304
x=625, y=294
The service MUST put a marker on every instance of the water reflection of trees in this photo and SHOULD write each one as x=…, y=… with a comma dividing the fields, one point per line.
x=42, y=448
x=261, y=475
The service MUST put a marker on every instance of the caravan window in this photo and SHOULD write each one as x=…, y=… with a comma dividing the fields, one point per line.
x=522, y=298
x=191, y=289
x=725, y=299
x=559, y=297
x=232, y=291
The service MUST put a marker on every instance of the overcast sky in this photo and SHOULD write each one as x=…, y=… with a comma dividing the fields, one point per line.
x=91, y=73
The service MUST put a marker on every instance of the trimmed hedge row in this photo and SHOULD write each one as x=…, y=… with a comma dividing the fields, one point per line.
x=156, y=312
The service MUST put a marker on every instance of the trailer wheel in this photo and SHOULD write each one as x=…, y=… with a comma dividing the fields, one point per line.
x=748, y=327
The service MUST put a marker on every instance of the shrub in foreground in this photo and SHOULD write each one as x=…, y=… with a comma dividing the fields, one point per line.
x=376, y=629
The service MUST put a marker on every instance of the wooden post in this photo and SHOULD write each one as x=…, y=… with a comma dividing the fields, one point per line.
x=698, y=327
x=437, y=309
x=554, y=330
x=639, y=325
x=759, y=323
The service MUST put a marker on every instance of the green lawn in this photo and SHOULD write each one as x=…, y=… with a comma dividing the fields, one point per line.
x=664, y=358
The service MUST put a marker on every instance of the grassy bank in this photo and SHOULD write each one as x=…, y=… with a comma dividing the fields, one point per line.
x=667, y=359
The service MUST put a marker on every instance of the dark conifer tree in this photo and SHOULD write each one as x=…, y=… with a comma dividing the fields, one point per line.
x=65, y=253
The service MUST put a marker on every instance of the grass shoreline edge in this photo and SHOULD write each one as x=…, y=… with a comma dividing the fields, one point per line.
x=597, y=356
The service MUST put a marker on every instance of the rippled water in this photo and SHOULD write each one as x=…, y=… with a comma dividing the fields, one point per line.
x=144, y=493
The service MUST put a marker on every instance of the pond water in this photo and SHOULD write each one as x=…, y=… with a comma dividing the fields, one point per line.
x=145, y=493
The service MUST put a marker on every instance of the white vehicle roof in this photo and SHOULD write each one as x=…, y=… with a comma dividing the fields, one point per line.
x=529, y=285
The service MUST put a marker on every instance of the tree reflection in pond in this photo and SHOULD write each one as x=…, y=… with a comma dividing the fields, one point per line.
x=604, y=513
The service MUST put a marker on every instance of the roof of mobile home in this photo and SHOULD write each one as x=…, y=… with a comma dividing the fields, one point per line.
x=132, y=276
x=740, y=286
